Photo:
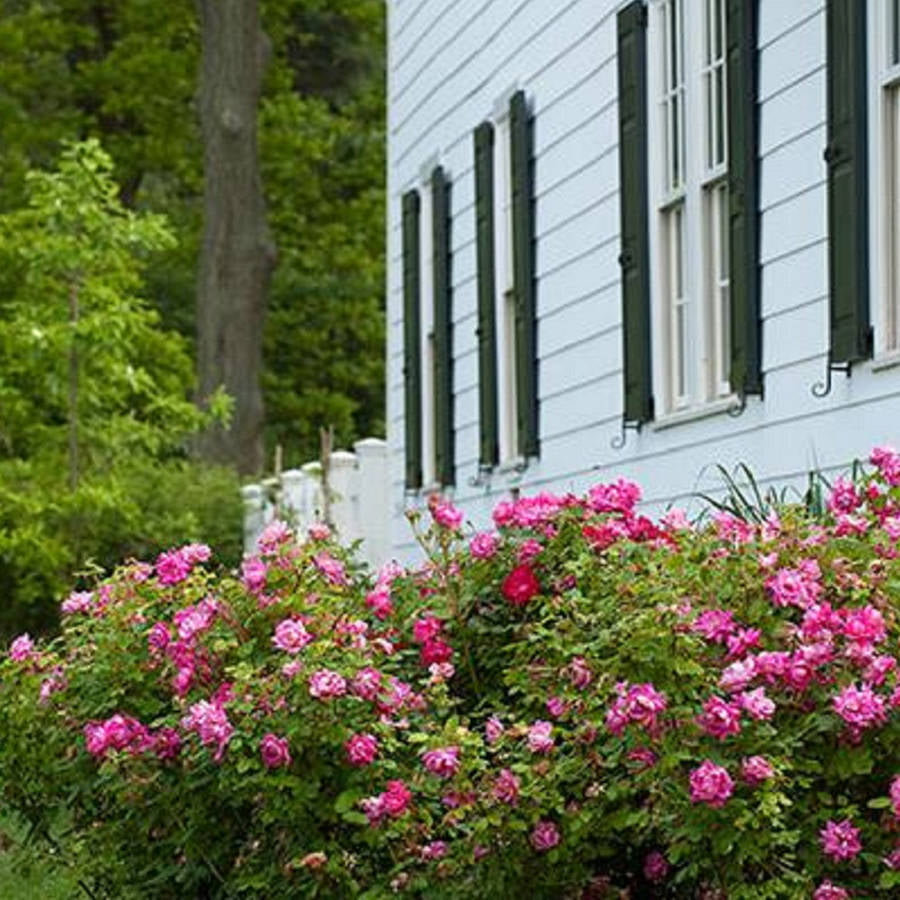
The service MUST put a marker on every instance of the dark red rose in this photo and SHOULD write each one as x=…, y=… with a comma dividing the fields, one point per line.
x=520, y=585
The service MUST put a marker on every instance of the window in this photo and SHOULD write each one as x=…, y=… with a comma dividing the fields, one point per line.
x=884, y=49
x=690, y=240
x=507, y=320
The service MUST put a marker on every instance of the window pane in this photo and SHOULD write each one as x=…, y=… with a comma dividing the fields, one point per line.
x=722, y=198
x=720, y=114
x=674, y=43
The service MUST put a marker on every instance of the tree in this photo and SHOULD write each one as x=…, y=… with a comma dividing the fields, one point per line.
x=126, y=72
x=95, y=412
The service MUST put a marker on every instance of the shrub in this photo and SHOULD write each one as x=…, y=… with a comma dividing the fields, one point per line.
x=583, y=702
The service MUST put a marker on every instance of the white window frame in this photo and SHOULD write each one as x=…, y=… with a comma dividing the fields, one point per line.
x=884, y=180
x=504, y=300
x=426, y=326
x=690, y=326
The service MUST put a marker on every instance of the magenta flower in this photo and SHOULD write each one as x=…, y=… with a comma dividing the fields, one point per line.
x=22, y=648
x=580, y=673
x=158, y=637
x=556, y=707
x=544, y=836
x=719, y=718
x=445, y=514
x=331, y=568
x=442, y=761
x=640, y=704
x=796, y=587
x=274, y=751
x=273, y=536
x=484, y=545
x=656, y=867
x=77, y=602
x=828, y=891
x=540, y=739
x=738, y=675
x=319, y=531
x=172, y=567
x=506, y=787
x=493, y=730
x=367, y=683
x=840, y=840
x=715, y=625
x=379, y=601
x=756, y=769
x=426, y=629
x=291, y=636
x=860, y=707
x=434, y=850
x=325, y=683
x=757, y=705
x=895, y=796
x=520, y=585
x=711, y=784
x=253, y=575
x=361, y=749
x=210, y=722
x=396, y=799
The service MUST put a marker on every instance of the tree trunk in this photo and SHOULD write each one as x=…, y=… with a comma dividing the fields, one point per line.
x=237, y=255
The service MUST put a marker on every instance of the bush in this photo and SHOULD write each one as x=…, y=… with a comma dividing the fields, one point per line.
x=584, y=702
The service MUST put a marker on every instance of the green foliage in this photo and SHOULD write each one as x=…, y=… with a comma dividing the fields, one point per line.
x=125, y=73
x=94, y=394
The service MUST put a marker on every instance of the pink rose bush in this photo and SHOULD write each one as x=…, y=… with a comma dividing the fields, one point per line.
x=603, y=704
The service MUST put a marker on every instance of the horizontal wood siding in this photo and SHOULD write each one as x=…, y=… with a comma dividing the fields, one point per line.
x=450, y=62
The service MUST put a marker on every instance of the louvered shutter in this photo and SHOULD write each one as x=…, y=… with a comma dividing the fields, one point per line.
x=743, y=198
x=522, y=170
x=412, y=357
x=443, y=336
x=633, y=200
x=848, y=266
x=487, y=336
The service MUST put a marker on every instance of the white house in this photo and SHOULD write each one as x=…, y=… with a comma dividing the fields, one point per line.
x=639, y=238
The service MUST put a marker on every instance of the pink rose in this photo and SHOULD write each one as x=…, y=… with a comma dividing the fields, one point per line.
x=544, y=836
x=710, y=784
x=520, y=585
x=756, y=769
x=719, y=718
x=22, y=648
x=840, y=840
x=445, y=514
x=291, y=636
x=325, y=683
x=540, y=738
x=828, y=891
x=274, y=751
x=361, y=749
x=484, y=545
x=442, y=761
x=656, y=867
x=506, y=787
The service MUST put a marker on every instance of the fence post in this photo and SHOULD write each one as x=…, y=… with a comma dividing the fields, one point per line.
x=374, y=499
x=254, y=498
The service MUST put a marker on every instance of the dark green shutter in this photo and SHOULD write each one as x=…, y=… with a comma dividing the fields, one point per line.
x=522, y=168
x=487, y=336
x=633, y=200
x=443, y=337
x=848, y=263
x=743, y=198
x=412, y=355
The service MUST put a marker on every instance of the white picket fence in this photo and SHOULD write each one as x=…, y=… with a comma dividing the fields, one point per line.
x=359, y=496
